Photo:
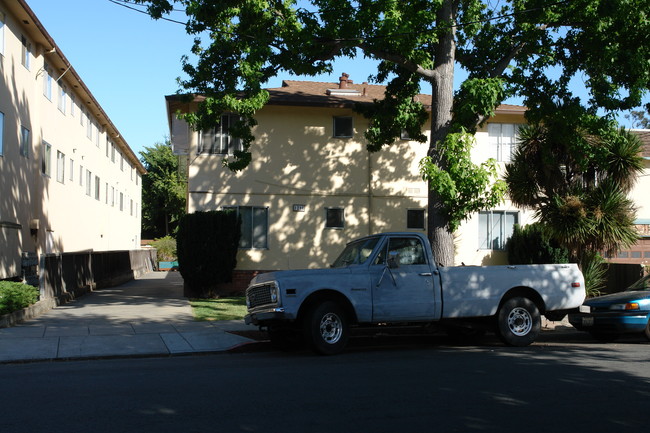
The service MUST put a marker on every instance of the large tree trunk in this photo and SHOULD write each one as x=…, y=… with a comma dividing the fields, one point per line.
x=442, y=84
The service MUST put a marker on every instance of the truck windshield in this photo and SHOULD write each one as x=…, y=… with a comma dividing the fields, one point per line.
x=355, y=253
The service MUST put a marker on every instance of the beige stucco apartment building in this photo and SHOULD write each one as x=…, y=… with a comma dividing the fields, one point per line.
x=68, y=180
x=312, y=185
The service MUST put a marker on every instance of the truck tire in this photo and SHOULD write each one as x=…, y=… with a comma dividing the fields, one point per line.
x=326, y=328
x=518, y=322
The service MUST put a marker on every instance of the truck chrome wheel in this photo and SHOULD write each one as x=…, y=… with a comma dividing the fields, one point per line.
x=331, y=328
x=520, y=322
x=326, y=328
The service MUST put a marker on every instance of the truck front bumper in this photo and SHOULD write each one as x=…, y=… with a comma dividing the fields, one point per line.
x=260, y=318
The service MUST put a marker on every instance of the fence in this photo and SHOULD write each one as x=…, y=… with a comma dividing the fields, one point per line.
x=621, y=275
x=66, y=276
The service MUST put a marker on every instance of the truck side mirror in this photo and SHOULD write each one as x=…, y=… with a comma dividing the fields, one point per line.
x=393, y=259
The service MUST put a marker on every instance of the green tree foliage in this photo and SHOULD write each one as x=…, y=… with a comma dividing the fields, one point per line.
x=575, y=170
x=529, y=48
x=639, y=119
x=163, y=191
x=207, y=246
x=531, y=245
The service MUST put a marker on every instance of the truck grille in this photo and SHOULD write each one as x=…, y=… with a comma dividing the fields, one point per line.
x=259, y=295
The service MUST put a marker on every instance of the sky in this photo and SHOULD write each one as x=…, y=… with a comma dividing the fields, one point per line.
x=130, y=62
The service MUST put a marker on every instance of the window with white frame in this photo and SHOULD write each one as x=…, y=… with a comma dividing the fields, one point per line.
x=97, y=185
x=334, y=218
x=81, y=175
x=89, y=182
x=121, y=201
x=415, y=219
x=254, y=226
x=47, y=81
x=89, y=126
x=26, y=53
x=343, y=126
x=2, y=131
x=502, y=140
x=218, y=140
x=63, y=98
x=112, y=196
x=60, y=166
x=46, y=163
x=73, y=105
x=495, y=228
x=106, y=191
x=25, y=141
x=98, y=132
x=71, y=170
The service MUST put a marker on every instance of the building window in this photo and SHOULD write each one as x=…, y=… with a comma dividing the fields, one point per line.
x=2, y=131
x=73, y=105
x=334, y=218
x=254, y=226
x=71, y=170
x=25, y=143
x=89, y=181
x=343, y=126
x=47, y=81
x=415, y=219
x=113, y=196
x=26, y=53
x=98, y=132
x=495, y=228
x=89, y=127
x=81, y=175
x=106, y=191
x=218, y=139
x=502, y=140
x=97, y=185
x=112, y=152
x=121, y=201
x=46, y=163
x=60, y=167
x=131, y=207
x=63, y=98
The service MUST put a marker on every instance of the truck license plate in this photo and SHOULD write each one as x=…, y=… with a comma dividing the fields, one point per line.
x=587, y=321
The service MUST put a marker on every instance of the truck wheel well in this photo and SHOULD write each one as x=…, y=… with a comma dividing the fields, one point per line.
x=328, y=295
x=525, y=292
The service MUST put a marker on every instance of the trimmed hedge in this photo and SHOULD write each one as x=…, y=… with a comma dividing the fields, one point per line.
x=530, y=245
x=16, y=296
x=207, y=244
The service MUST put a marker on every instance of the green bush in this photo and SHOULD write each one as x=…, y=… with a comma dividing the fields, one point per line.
x=207, y=250
x=166, y=248
x=594, y=269
x=530, y=245
x=16, y=296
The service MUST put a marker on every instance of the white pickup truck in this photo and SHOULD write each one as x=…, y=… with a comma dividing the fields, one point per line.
x=393, y=278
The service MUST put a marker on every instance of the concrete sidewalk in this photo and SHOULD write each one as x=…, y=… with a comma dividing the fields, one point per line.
x=145, y=317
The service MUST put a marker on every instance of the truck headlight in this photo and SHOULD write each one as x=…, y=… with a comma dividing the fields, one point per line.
x=274, y=294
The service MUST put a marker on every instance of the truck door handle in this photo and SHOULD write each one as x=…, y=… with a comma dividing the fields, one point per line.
x=425, y=274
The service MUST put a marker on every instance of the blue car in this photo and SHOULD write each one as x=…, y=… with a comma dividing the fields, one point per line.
x=607, y=317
